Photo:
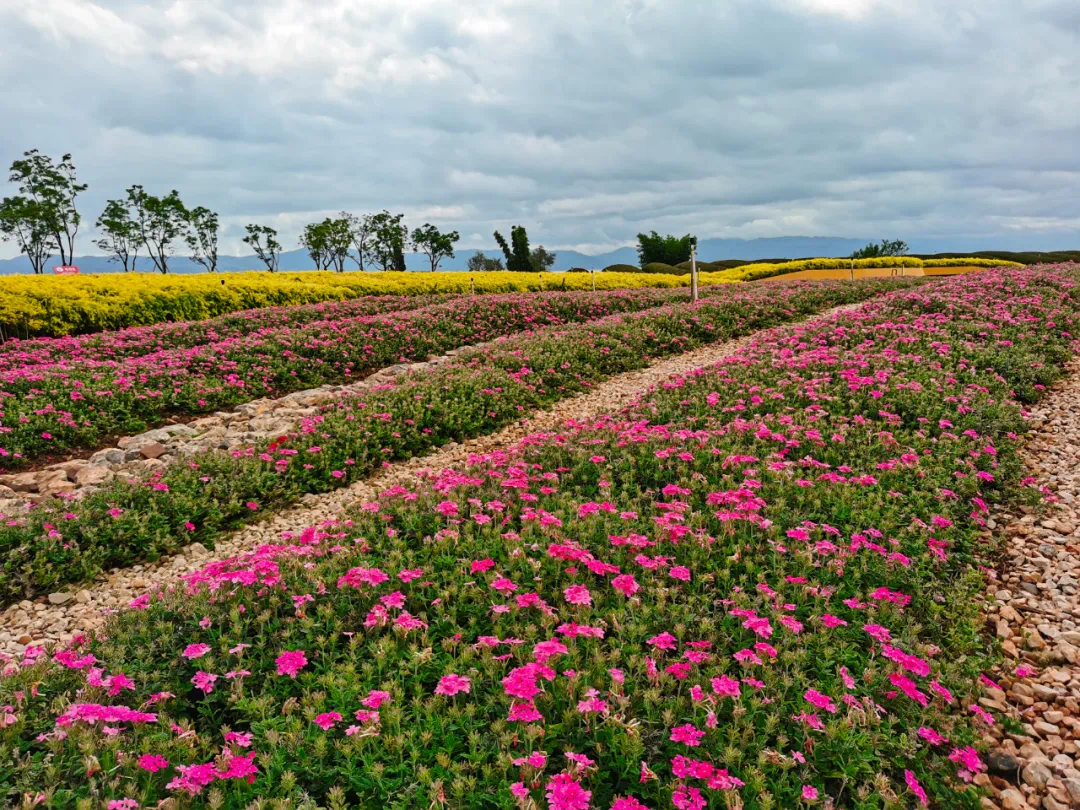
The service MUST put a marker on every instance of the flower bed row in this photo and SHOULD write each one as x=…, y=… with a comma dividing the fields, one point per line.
x=31, y=306
x=75, y=400
x=757, y=591
x=134, y=341
x=196, y=499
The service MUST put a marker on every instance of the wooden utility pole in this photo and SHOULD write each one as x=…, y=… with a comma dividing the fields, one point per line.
x=693, y=271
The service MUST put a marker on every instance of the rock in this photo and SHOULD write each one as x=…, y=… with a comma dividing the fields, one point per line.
x=59, y=598
x=106, y=458
x=1012, y=799
x=94, y=476
x=1036, y=774
x=1003, y=764
x=83, y=596
x=24, y=482
x=1072, y=785
x=152, y=450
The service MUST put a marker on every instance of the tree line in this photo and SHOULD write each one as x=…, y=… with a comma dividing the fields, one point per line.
x=43, y=220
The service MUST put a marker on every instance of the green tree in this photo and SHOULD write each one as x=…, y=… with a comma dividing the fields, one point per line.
x=316, y=241
x=541, y=260
x=202, y=237
x=263, y=240
x=23, y=220
x=121, y=235
x=895, y=247
x=389, y=235
x=161, y=221
x=53, y=189
x=479, y=263
x=434, y=244
x=653, y=247
x=518, y=257
x=339, y=238
x=362, y=233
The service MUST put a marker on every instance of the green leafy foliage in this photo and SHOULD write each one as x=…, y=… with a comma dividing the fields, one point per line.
x=652, y=247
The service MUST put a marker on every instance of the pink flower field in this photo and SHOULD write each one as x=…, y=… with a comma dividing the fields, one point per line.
x=758, y=588
x=59, y=541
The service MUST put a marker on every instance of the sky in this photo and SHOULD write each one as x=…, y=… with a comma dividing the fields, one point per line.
x=587, y=121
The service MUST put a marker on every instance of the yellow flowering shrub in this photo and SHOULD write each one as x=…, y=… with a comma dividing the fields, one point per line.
x=63, y=305
x=969, y=261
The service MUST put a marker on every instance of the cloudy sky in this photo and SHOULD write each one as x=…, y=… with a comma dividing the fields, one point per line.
x=585, y=120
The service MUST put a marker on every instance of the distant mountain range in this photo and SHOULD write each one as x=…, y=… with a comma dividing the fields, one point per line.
x=783, y=247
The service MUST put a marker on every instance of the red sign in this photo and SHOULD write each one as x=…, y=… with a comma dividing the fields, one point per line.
x=66, y=270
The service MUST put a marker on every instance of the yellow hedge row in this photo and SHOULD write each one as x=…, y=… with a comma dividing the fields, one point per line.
x=750, y=272
x=970, y=261
x=64, y=305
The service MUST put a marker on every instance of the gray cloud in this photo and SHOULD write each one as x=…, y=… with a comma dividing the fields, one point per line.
x=586, y=120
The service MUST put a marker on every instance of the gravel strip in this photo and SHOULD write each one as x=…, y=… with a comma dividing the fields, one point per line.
x=1034, y=609
x=64, y=614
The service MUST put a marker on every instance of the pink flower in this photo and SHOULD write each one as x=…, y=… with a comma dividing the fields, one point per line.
x=931, y=736
x=479, y=566
x=204, y=681
x=326, y=720
x=577, y=595
x=625, y=584
x=519, y=790
x=688, y=798
x=809, y=793
x=193, y=651
x=153, y=762
x=566, y=793
x=687, y=735
x=819, y=701
x=291, y=662
x=680, y=572
x=916, y=788
x=628, y=803
x=375, y=699
x=664, y=641
x=524, y=712
x=451, y=684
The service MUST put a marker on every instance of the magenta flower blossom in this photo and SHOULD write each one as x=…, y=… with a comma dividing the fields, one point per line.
x=153, y=762
x=687, y=735
x=326, y=720
x=193, y=651
x=291, y=662
x=564, y=792
x=916, y=788
x=375, y=699
x=625, y=584
x=204, y=681
x=452, y=684
x=577, y=595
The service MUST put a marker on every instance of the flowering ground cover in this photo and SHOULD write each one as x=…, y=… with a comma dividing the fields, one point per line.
x=70, y=393
x=757, y=590
x=139, y=340
x=205, y=494
x=32, y=306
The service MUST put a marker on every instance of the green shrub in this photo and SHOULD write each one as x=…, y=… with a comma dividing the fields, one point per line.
x=659, y=267
x=622, y=268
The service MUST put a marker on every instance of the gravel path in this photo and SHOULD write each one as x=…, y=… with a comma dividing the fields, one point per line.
x=1034, y=609
x=62, y=615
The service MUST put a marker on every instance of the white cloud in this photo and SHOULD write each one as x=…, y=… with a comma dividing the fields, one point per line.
x=587, y=121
